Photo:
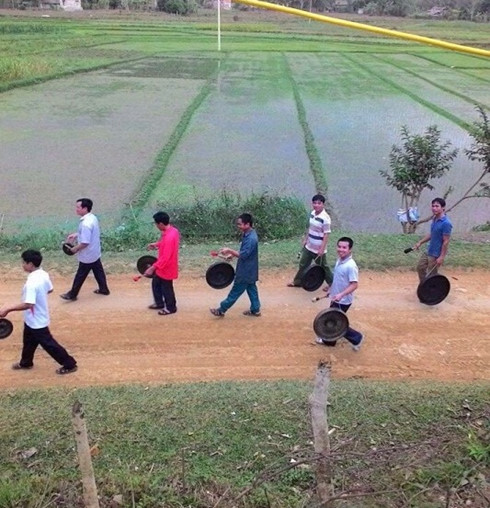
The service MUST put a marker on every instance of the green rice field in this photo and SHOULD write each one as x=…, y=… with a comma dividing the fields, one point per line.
x=139, y=113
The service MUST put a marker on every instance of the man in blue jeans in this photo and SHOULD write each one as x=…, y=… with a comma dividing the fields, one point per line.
x=345, y=282
x=438, y=238
x=247, y=269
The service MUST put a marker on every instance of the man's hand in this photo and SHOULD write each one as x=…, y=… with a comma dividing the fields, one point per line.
x=439, y=261
x=71, y=237
x=4, y=311
x=149, y=271
x=336, y=298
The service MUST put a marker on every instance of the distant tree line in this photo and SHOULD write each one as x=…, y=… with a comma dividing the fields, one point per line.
x=472, y=10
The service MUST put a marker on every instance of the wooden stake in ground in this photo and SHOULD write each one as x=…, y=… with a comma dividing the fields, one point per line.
x=90, y=496
x=319, y=423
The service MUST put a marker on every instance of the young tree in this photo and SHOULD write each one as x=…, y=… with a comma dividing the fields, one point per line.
x=478, y=151
x=420, y=159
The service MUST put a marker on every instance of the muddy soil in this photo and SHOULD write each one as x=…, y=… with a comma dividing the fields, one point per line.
x=117, y=339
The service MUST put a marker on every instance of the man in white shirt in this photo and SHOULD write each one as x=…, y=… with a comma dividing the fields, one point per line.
x=36, y=317
x=345, y=282
x=315, y=242
x=88, y=251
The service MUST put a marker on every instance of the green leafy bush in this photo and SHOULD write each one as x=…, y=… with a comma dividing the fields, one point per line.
x=181, y=7
x=200, y=220
x=275, y=217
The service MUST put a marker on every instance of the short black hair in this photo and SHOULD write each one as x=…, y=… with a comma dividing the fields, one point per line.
x=347, y=239
x=86, y=203
x=162, y=218
x=246, y=218
x=441, y=201
x=32, y=256
x=318, y=197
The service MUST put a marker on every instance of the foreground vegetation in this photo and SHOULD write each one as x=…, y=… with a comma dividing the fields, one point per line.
x=248, y=444
x=372, y=252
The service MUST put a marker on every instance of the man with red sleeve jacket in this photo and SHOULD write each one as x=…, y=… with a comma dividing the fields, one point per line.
x=166, y=269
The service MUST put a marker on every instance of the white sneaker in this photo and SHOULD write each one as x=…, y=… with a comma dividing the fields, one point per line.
x=319, y=340
x=357, y=347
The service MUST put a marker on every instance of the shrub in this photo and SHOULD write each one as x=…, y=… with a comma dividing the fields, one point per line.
x=275, y=217
x=201, y=220
x=181, y=7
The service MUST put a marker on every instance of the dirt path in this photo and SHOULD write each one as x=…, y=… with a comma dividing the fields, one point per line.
x=116, y=339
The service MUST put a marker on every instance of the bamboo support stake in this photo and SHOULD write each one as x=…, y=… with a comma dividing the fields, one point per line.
x=90, y=496
x=319, y=423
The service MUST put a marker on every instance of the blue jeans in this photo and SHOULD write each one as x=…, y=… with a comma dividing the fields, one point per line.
x=353, y=336
x=236, y=291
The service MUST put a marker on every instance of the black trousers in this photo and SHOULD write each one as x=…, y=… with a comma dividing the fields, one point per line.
x=82, y=273
x=33, y=338
x=163, y=293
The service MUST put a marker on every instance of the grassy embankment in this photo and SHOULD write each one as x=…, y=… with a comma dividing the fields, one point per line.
x=404, y=444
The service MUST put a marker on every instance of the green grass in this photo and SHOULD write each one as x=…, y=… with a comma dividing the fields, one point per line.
x=376, y=252
x=23, y=38
x=188, y=445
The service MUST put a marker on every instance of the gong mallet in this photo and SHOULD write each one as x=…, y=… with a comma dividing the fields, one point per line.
x=318, y=298
x=136, y=278
x=218, y=254
x=408, y=249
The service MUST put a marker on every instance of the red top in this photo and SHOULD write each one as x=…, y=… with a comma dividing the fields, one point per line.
x=167, y=264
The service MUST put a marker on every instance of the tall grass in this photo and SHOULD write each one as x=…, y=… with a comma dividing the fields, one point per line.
x=17, y=68
x=197, y=444
x=29, y=27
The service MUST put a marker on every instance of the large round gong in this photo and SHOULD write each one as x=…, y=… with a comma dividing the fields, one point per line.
x=66, y=246
x=331, y=324
x=220, y=275
x=6, y=328
x=313, y=278
x=144, y=262
x=433, y=290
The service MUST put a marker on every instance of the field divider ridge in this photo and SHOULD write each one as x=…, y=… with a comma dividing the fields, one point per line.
x=5, y=87
x=431, y=82
x=430, y=105
x=462, y=70
x=140, y=197
x=316, y=165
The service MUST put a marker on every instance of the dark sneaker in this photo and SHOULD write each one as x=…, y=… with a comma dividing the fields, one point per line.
x=155, y=306
x=66, y=370
x=250, y=313
x=217, y=312
x=99, y=292
x=18, y=366
x=67, y=296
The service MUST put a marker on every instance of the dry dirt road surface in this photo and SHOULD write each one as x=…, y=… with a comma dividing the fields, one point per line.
x=117, y=339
